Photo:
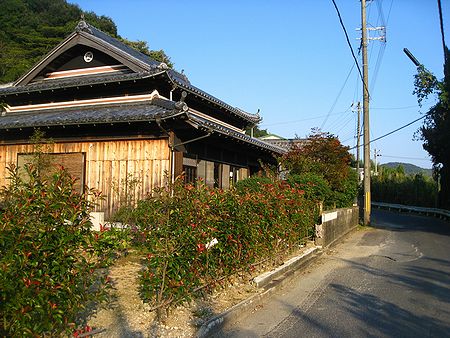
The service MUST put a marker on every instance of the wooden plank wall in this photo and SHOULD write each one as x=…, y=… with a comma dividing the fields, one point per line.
x=108, y=164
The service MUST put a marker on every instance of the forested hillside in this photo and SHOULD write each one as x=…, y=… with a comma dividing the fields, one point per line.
x=409, y=169
x=31, y=28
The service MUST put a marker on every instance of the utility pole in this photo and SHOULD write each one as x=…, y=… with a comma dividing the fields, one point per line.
x=376, y=153
x=358, y=137
x=367, y=201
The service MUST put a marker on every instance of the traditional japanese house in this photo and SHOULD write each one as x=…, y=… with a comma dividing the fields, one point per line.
x=114, y=114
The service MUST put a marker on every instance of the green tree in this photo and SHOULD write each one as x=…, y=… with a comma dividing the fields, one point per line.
x=142, y=46
x=392, y=185
x=31, y=28
x=435, y=131
x=323, y=156
x=257, y=132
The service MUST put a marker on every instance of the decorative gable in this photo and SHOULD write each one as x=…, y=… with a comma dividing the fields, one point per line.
x=89, y=51
x=80, y=60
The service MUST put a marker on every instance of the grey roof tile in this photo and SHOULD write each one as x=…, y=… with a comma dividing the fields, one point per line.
x=119, y=113
x=120, y=45
x=79, y=81
x=215, y=127
x=182, y=81
x=84, y=115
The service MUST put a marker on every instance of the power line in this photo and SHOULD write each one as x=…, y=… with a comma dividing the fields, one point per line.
x=378, y=65
x=380, y=23
x=389, y=13
x=380, y=14
x=301, y=120
x=394, y=131
x=395, y=108
x=345, y=123
x=406, y=158
x=441, y=22
x=335, y=114
x=336, y=123
x=349, y=44
x=338, y=96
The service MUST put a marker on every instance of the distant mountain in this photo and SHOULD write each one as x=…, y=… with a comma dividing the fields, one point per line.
x=409, y=168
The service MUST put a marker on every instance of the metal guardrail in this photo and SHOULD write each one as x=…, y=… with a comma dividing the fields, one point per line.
x=440, y=213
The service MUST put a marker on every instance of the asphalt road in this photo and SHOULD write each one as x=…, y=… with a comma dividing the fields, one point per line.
x=389, y=281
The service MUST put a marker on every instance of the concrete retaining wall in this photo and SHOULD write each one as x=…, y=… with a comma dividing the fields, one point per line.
x=335, y=224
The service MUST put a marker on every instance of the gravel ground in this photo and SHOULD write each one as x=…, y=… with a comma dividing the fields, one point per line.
x=127, y=316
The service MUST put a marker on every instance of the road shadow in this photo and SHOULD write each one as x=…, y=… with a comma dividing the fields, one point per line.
x=412, y=300
x=384, y=219
x=386, y=318
x=430, y=281
x=348, y=311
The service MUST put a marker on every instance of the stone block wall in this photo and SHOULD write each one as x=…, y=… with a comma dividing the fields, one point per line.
x=335, y=224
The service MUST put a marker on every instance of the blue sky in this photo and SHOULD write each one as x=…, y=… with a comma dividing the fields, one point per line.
x=290, y=59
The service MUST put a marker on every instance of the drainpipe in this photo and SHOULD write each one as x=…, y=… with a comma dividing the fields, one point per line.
x=172, y=149
x=171, y=92
x=172, y=164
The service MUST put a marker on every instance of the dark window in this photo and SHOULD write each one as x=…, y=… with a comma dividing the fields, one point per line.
x=234, y=172
x=217, y=175
x=190, y=174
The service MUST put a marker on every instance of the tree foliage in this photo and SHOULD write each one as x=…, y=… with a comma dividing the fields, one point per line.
x=322, y=159
x=48, y=262
x=257, y=132
x=392, y=185
x=435, y=131
x=142, y=46
x=31, y=28
x=323, y=154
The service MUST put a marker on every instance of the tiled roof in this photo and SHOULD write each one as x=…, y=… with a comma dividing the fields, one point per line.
x=121, y=113
x=286, y=144
x=182, y=81
x=84, y=115
x=216, y=127
x=175, y=77
x=79, y=81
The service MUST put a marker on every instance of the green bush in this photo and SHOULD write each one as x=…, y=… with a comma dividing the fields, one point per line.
x=252, y=184
x=47, y=262
x=196, y=235
x=317, y=189
x=346, y=196
x=110, y=243
x=315, y=186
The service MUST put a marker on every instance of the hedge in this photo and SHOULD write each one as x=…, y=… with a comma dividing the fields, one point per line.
x=194, y=236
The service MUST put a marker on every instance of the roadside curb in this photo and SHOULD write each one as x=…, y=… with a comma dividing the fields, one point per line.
x=269, y=282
